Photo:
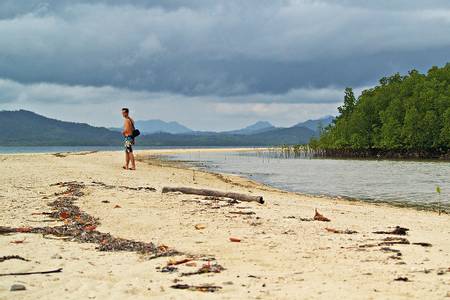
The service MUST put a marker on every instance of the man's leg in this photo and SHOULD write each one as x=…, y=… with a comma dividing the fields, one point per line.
x=131, y=158
x=127, y=159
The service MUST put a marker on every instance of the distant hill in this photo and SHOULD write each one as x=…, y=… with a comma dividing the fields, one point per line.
x=315, y=125
x=153, y=126
x=25, y=128
x=277, y=136
x=254, y=128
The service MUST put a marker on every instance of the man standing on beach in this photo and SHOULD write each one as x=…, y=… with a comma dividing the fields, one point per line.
x=128, y=128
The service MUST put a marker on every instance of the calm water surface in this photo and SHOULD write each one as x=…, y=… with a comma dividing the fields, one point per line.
x=398, y=182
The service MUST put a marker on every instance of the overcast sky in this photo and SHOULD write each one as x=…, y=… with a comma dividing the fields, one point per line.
x=211, y=65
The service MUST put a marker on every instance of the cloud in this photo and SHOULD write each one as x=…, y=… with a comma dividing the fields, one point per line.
x=100, y=105
x=225, y=48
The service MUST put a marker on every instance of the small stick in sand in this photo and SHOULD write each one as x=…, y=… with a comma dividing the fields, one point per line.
x=31, y=273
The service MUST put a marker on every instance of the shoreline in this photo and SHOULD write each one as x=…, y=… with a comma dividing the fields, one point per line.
x=283, y=252
x=401, y=204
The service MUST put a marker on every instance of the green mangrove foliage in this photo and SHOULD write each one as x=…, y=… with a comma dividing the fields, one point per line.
x=403, y=113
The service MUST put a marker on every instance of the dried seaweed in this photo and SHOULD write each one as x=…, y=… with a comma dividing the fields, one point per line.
x=397, y=231
x=81, y=227
x=206, y=268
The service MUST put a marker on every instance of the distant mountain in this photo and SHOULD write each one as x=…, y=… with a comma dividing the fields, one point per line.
x=254, y=128
x=26, y=128
x=153, y=126
x=315, y=125
x=273, y=137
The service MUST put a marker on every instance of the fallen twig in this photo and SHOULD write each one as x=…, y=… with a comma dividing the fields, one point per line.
x=423, y=244
x=199, y=288
x=7, y=257
x=32, y=273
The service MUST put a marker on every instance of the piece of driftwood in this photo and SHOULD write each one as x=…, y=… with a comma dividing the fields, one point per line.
x=214, y=193
x=31, y=273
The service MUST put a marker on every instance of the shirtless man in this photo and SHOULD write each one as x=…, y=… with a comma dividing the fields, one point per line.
x=128, y=127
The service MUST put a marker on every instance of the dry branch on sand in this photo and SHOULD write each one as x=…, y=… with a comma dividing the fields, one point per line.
x=214, y=193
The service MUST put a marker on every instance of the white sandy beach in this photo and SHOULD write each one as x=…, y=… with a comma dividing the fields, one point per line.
x=282, y=254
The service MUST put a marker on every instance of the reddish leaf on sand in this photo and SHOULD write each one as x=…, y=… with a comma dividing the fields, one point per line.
x=89, y=228
x=23, y=229
x=163, y=248
x=18, y=241
x=64, y=215
x=117, y=206
x=320, y=217
x=235, y=240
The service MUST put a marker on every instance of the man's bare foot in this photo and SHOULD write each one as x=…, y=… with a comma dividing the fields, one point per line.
x=132, y=169
x=125, y=167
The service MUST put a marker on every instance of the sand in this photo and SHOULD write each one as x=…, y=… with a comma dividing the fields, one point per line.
x=282, y=255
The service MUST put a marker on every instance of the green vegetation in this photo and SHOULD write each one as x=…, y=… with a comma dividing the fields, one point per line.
x=403, y=114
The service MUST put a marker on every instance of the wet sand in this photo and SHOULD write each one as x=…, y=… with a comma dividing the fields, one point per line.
x=283, y=254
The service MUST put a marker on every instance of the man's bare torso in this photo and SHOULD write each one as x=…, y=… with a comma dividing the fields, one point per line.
x=128, y=127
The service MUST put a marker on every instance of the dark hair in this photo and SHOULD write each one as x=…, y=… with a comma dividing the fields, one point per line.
x=126, y=110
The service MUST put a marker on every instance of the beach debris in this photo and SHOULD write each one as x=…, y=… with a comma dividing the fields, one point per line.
x=191, y=264
x=442, y=271
x=169, y=269
x=105, y=201
x=214, y=193
x=242, y=212
x=405, y=279
x=206, y=268
x=18, y=241
x=173, y=262
x=306, y=219
x=346, y=231
x=235, y=240
x=320, y=217
x=198, y=288
x=17, y=287
x=139, y=188
x=397, y=231
x=81, y=227
x=32, y=273
x=423, y=244
x=389, y=241
x=200, y=226
x=8, y=257
x=387, y=249
x=117, y=206
x=56, y=256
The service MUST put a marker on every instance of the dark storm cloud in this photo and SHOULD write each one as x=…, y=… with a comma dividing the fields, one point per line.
x=220, y=48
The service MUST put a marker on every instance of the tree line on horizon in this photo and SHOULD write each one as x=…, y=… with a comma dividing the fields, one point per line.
x=408, y=113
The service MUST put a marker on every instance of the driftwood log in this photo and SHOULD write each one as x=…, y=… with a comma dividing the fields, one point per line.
x=214, y=193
